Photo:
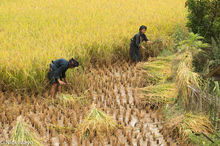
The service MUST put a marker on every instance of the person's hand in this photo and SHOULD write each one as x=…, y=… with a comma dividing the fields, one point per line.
x=66, y=81
x=142, y=47
x=61, y=82
x=149, y=42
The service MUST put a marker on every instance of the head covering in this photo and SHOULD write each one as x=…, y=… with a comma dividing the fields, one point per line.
x=73, y=63
x=142, y=27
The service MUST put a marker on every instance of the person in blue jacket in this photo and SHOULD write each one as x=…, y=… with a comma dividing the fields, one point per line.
x=135, y=44
x=57, y=73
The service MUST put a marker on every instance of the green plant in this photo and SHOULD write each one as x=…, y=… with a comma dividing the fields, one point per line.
x=212, y=140
x=204, y=18
x=192, y=43
x=180, y=34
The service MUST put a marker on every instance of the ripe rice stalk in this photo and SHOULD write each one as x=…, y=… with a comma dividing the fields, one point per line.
x=149, y=142
x=22, y=132
x=19, y=98
x=156, y=71
x=138, y=142
x=187, y=81
x=158, y=94
x=23, y=70
x=61, y=139
x=70, y=140
x=61, y=129
x=66, y=99
x=50, y=141
x=155, y=48
x=124, y=131
x=130, y=118
x=98, y=122
x=144, y=136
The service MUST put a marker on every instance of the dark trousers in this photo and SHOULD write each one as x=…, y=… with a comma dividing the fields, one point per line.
x=135, y=54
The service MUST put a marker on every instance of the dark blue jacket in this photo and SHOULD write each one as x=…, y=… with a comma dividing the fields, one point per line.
x=137, y=39
x=59, y=68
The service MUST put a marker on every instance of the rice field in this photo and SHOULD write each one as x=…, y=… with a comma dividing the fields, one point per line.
x=34, y=32
x=103, y=105
x=109, y=113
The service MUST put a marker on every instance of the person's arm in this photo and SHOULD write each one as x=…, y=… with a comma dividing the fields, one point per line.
x=58, y=72
x=64, y=74
x=146, y=39
x=64, y=77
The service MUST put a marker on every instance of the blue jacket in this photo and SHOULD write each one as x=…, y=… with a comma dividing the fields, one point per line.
x=59, y=68
x=137, y=39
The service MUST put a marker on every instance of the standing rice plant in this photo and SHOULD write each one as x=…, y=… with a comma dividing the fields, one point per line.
x=157, y=46
x=91, y=31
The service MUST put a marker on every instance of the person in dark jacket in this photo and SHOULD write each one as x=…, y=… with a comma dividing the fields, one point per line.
x=135, y=44
x=57, y=73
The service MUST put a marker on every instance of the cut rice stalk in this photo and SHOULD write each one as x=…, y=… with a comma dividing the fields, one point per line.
x=159, y=94
x=22, y=133
x=96, y=123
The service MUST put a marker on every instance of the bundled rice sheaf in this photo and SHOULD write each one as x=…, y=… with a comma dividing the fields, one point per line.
x=159, y=94
x=67, y=99
x=188, y=82
x=157, y=70
x=22, y=134
x=181, y=126
x=97, y=123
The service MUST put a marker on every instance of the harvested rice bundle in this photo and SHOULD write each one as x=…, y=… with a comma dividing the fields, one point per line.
x=21, y=133
x=96, y=123
x=67, y=99
x=187, y=81
x=156, y=71
x=159, y=94
x=179, y=127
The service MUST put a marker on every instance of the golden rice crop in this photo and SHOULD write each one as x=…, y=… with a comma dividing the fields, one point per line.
x=34, y=32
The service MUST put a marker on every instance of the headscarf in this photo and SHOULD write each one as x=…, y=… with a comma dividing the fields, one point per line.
x=73, y=63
